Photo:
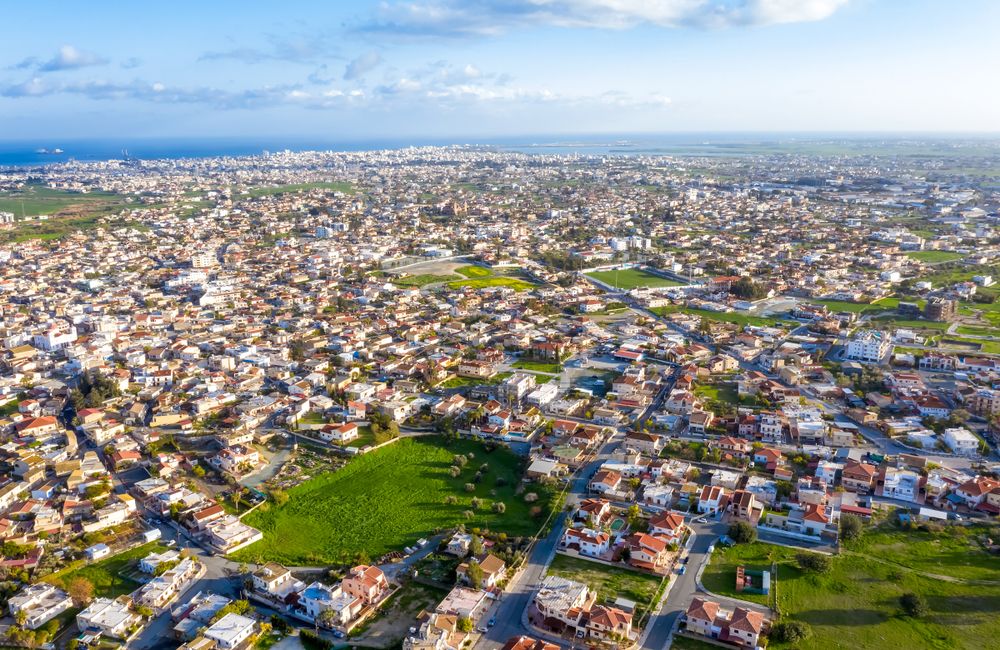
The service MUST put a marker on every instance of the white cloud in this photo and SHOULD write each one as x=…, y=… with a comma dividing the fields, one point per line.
x=490, y=17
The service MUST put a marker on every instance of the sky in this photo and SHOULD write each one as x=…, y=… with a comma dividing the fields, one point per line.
x=348, y=69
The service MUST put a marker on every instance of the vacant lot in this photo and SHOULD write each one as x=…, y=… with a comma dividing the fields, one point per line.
x=932, y=257
x=538, y=366
x=737, y=318
x=482, y=283
x=421, y=279
x=885, y=304
x=105, y=574
x=609, y=582
x=36, y=199
x=632, y=278
x=389, y=499
x=856, y=604
x=473, y=271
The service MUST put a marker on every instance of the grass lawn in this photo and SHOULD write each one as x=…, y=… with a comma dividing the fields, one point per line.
x=421, y=280
x=9, y=408
x=473, y=271
x=538, y=366
x=516, y=284
x=978, y=331
x=885, y=304
x=718, y=392
x=913, y=324
x=388, y=499
x=988, y=347
x=934, y=256
x=609, y=582
x=632, y=278
x=856, y=604
x=462, y=382
x=104, y=574
x=737, y=318
x=346, y=188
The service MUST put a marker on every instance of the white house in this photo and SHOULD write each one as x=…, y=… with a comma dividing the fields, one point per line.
x=871, y=346
x=40, y=602
x=961, y=441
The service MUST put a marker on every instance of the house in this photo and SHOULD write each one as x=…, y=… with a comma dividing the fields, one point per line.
x=701, y=617
x=112, y=618
x=743, y=505
x=459, y=544
x=745, y=627
x=340, y=434
x=857, y=476
x=39, y=603
x=587, y=541
x=494, y=571
x=366, y=582
x=271, y=578
x=97, y=551
x=645, y=443
x=961, y=441
x=712, y=499
x=527, y=643
x=465, y=603
x=647, y=552
x=975, y=491
x=605, y=481
x=609, y=623
x=236, y=460
x=700, y=421
x=595, y=511
x=667, y=525
x=563, y=600
x=231, y=631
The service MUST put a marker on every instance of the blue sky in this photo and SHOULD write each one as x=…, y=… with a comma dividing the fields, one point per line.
x=439, y=68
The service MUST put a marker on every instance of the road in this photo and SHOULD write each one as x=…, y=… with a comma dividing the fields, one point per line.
x=522, y=589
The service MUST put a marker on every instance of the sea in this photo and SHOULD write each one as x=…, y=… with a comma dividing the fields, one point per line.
x=35, y=152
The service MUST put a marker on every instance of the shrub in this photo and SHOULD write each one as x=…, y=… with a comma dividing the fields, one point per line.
x=813, y=562
x=470, y=487
x=530, y=497
x=850, y=527
x=913, y=604
x=455, y=471
x=742, y=533
x=790, y=631
x=500, y=507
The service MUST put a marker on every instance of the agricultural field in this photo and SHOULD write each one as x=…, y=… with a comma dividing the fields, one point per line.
x=37, y=200
x=856, y=603
x=390, y=498
x=934, y=257
x=626, y=279
x=106, y=575
x=609, y=582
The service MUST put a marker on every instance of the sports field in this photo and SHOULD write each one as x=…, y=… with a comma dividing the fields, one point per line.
x=632, y=278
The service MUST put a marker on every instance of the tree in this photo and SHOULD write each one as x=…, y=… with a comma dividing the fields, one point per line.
x=850, y=527
x=813, y=562
x=742, y=533
x=913, y=604
x=465, y=624
x=474, y=573
x=499, y=507
x=476, y=503
x=790, y=631
x=198, y=471
x=80, y=590
x=476, y=546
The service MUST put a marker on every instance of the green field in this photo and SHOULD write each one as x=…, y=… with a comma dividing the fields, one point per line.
x=421, y=280
x=105, y=574
x=538, y=366
x=481, y=283
x=257, y=192
x=913, y=324
x=736, y=318
x=685, y=643
x=933, y=257
x=389, y=499
x=35, y=200
x=885, y=304
x=718, y=392
x=473, y=271
x=856, y=604
x=609, y=582
x=462, y=382
x=632, y=278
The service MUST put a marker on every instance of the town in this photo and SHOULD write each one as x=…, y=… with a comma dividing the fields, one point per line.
x=469, y=397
